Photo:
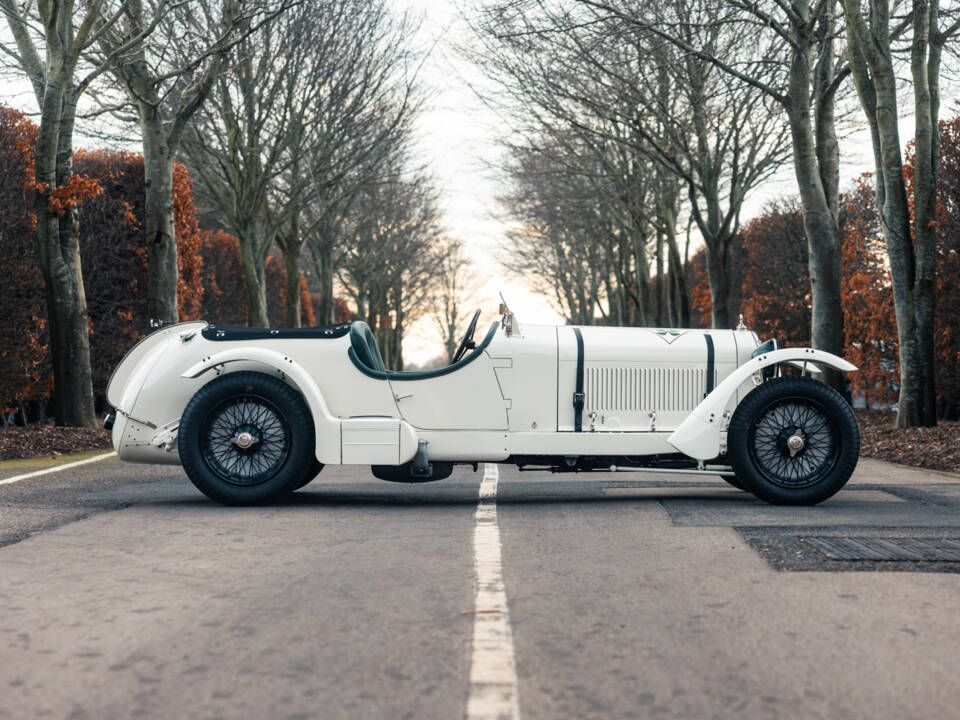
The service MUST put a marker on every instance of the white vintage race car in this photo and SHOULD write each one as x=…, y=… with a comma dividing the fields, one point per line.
x=253, y=414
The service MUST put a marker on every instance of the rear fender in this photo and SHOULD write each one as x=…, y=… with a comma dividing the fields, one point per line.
x=699, y=434
x=326, y=425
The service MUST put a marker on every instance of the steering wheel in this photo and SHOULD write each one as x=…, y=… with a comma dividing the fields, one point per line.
x=467, y=343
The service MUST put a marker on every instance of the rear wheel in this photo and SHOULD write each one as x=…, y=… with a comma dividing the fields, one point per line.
x=246, y=439
x=314, y=469
x=734, y=482
x=793, y=441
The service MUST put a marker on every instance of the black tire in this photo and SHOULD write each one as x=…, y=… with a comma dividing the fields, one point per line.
x=734, y=482
x=787, y=409
x=312, y=472
x=279, y=427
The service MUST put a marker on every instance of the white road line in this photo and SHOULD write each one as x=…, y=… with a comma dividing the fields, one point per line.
x=493, y=670
x=58, y=468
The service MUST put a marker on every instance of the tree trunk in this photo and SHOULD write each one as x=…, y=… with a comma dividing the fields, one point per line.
x=398, y=329
x=913, y=283
x=925, y=70
x=680, y=291
x=291, y=262
x=254, y=278
x=718, y=261
x=162, y=270
x=895, y=224
x=661, y=299
x=819, y=220
x=641, y=276
x=824, y=119
x=59, y=255
x=323, y=270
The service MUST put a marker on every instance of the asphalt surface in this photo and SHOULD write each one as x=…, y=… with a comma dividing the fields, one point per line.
x=125, y=593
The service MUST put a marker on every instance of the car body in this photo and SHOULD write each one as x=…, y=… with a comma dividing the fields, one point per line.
x=556, y=397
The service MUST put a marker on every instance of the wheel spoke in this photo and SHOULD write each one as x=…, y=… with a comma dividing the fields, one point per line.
x=260, y=461
x=768, y=442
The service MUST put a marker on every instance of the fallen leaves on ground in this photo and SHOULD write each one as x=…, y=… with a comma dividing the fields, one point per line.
x=935, y=448
x=18, y=443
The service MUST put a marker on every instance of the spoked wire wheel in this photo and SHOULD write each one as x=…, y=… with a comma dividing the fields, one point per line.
x=245, y=440
x=793, y=443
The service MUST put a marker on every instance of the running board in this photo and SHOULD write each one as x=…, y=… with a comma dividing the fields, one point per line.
x=713, y=470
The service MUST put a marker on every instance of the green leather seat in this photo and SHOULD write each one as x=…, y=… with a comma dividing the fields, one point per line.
x=366, y=358
x=365, y=346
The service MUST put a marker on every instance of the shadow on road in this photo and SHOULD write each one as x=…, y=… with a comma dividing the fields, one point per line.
x=341, y=497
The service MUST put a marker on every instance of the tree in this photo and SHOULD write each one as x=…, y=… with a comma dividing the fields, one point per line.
x=611, y=83
x=277, y=284
x=458, y=287
x=582, y=253
x=775, y=274
x=62, y=35
x=911, y=242
x=776, y=285
x=799, y=68
x=871, y=327
x=167, y=75
x=224, y=297
x=113, y=251
x=367, y=99
x=392, y=254
x=947, y=331
x=307, y=101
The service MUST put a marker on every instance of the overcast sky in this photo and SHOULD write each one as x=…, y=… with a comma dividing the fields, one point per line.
x=459, y=138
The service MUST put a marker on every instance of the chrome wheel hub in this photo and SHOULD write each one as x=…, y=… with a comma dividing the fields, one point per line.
x=245, y=440
x=795, y=442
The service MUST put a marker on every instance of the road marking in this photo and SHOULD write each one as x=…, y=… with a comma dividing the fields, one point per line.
x=493, y=670
x=58, y=468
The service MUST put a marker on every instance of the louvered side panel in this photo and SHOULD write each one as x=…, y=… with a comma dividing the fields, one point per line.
x=632, y=389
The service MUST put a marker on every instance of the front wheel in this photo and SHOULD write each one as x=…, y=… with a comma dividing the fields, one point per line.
x=246, y=438
x=793, y=441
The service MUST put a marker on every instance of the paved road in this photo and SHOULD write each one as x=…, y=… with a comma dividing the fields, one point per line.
x=125, y=593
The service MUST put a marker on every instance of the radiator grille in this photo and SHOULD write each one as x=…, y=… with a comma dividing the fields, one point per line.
x=635, y=389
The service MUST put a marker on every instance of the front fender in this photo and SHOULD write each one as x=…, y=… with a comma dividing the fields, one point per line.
x=326, y=425
x=699, y=435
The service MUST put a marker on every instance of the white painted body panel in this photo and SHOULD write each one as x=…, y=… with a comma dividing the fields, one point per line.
x=644, y=394
x=526, y=371
x=639, y=379
x=468, y=399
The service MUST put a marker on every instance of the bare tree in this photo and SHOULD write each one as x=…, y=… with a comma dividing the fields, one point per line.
x=457, y=287
x=612, y=83
x=580, y=252
x=167, y=75
x=392, y=252
x=911, y=249
x=800, y=68
x=305, y=106
x=51, y=41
